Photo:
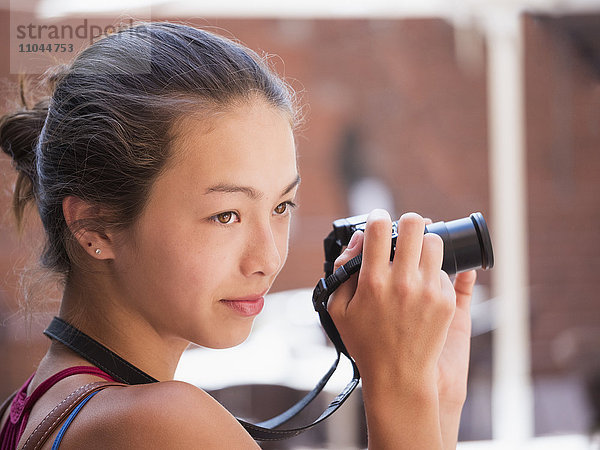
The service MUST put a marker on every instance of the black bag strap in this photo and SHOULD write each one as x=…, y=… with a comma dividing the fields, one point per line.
x=121, y=370
x=96, y=353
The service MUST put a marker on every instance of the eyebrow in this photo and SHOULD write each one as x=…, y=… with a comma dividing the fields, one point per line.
x=249, y=191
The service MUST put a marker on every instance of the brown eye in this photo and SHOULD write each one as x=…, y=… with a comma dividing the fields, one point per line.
x=225, y=217
x=284, y=208
x=281, y=208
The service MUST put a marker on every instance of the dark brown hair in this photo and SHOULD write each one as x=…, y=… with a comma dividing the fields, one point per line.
x=104, y=134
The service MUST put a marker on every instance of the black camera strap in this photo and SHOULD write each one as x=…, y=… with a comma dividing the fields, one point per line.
x=120, y=369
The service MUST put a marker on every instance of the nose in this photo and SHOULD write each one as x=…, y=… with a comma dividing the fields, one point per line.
x=262, y=254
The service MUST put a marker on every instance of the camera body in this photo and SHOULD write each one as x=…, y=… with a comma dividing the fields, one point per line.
x=467, y=243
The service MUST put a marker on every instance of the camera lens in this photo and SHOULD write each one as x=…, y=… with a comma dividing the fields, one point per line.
x=467, y=243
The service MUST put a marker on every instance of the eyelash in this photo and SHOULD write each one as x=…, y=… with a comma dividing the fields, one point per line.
x=288, y=204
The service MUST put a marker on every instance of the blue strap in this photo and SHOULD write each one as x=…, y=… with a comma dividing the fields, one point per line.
x=63, y=429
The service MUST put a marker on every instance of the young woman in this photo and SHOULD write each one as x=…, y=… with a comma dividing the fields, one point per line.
x=164, y=170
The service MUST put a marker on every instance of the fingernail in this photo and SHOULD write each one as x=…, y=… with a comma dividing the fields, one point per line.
x=353, y=241
x=378, y=214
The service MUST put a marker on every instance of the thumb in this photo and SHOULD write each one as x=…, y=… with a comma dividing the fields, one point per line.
x=353, y=249
x=344, y=293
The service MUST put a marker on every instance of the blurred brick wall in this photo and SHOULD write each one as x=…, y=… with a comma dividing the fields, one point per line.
x=563, y=158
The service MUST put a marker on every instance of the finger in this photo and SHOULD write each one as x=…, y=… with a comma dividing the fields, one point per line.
x=448, y=298
x=463, y=285
x=411, y=228
x=448, y=290
x=428, y=221
x=377, y=243
x=339, y=301
x=432, y=255
x=447, y=287
x=353, y=249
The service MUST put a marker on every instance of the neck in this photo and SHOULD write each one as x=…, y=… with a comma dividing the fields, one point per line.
x=108, y=320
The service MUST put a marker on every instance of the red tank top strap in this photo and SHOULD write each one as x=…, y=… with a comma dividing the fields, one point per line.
x=22, y=404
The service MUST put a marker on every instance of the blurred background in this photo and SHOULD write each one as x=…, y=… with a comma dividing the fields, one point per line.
x=438, y=107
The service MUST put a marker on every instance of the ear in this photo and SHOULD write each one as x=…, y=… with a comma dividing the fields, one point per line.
x=96, y=244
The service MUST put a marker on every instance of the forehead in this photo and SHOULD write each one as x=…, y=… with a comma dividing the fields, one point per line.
x=251, y=143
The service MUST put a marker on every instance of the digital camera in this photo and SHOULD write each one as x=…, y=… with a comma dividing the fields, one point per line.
x=467, y=243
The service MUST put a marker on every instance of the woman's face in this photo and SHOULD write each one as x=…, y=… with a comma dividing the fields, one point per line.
x=214, y=233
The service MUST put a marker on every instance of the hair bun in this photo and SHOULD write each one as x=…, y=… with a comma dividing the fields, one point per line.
x=19, y=134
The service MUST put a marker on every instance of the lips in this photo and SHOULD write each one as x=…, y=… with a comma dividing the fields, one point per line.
x=246, y=306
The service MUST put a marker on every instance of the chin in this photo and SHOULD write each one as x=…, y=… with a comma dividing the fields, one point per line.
x=232, y=340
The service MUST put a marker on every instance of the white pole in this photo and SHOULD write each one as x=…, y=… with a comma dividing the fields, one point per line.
x=512, y=399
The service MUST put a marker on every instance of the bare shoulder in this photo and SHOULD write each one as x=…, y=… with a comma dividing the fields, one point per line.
x=169, y=414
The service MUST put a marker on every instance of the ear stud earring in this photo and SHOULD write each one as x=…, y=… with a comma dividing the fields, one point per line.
x=98, y=251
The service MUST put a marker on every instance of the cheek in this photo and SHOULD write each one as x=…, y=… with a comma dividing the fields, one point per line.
x=166, y=261
x=282, y=240
x=196, y=267
x=185, y=280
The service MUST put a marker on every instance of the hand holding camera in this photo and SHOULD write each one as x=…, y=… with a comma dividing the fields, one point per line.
x=396, y=313
x=405, y=324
